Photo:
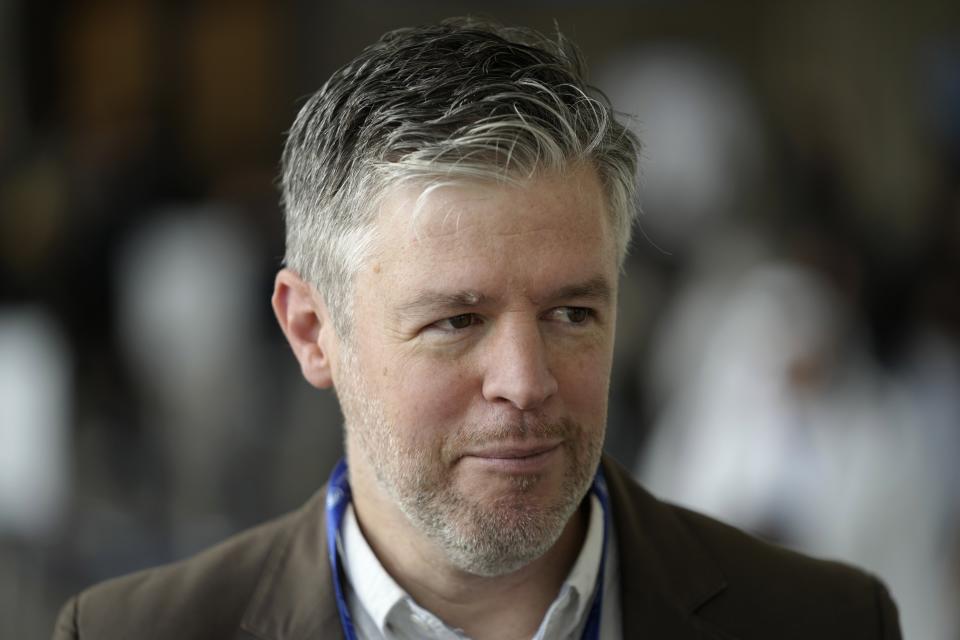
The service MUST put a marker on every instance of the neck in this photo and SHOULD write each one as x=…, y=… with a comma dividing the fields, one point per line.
x=505, y=606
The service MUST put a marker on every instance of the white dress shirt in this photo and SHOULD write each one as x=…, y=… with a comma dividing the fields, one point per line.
x=382, y=610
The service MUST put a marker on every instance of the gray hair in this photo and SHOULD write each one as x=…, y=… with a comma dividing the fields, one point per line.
x=457, y=101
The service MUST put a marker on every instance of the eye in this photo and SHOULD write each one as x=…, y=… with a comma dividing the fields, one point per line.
x=576, y=315
x=456, y=323
x=571, y=315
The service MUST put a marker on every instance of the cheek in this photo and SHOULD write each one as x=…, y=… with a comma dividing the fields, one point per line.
x=584, y=384
x=427, y=398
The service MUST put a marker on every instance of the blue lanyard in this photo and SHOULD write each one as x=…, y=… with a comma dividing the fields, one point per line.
x=339, y=496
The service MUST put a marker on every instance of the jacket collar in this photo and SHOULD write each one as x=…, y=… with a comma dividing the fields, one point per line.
x=665, y=573
x=294, y=598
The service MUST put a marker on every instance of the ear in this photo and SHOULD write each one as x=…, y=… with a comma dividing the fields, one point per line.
x=305, y=322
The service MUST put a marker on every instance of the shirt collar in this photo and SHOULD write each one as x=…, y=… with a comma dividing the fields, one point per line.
x=380, y=595
x=583, y=576
x=376, y=591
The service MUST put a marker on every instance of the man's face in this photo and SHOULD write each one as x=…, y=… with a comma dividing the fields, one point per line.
x=475, y=381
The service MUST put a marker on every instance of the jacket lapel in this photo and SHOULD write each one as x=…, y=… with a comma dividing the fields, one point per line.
x=665, y=574
x=294, y=598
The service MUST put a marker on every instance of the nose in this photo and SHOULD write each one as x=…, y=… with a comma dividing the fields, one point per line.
x=517, y=368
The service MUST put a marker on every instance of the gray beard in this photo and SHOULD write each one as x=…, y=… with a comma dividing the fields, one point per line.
x=490, y=539
x=484, y=539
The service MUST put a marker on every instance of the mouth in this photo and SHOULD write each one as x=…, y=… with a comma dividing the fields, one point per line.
x=514, y=458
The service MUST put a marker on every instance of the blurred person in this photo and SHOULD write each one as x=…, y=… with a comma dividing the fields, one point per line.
x=765, y=352
x=459, y=202
x=35, y=416
x=704, y=172
x=929, y=410
x=186, y=315
x=189, y=331
x=704, y=145
x=786, y=428
x=36, y=413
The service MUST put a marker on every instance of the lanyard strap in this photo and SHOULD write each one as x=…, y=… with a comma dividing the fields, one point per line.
x=339, y=496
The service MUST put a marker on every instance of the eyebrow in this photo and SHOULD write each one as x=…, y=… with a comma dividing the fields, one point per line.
x=427, y=301
x=596, y=288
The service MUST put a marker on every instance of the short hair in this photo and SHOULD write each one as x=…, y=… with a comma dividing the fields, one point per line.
x=461, y=100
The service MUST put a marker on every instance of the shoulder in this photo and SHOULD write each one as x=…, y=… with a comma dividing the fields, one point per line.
x=768, y=586
x=725, y=580
x=203, y=596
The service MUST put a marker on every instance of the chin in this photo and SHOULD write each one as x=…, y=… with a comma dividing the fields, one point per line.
x=501, y=533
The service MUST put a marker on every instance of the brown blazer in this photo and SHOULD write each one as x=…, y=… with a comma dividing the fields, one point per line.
x=682, y=576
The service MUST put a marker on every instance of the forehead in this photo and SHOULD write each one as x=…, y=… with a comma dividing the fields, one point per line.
x=499, y=241
x=543, y=208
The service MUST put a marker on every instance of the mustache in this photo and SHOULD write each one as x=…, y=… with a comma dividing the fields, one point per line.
x=528, y=428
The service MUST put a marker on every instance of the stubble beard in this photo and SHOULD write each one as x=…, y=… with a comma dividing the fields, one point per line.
x=485, y=538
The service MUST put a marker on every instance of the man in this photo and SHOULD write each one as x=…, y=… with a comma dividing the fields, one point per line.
x=458, y=207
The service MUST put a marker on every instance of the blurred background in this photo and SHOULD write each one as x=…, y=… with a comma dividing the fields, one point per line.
x=788, y=354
